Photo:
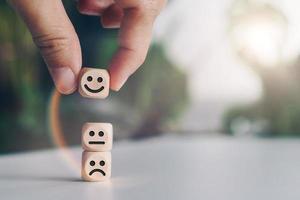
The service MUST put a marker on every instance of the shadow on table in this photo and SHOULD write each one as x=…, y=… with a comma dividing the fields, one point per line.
x=114, y=181
x=15, y=177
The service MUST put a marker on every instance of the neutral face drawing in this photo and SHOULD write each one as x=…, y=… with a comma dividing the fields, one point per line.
x=96, y=139
x=97, y=136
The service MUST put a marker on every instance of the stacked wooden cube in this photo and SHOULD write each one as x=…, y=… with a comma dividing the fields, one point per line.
x=97, y=137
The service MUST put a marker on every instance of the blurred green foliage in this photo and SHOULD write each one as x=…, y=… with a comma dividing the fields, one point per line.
x=278, y=108
x=19, y=74
x=156, y=93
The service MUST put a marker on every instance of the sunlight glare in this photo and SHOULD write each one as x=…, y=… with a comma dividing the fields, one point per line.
x=259, y=36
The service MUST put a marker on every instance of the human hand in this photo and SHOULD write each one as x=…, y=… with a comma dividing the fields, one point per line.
x=54, y=35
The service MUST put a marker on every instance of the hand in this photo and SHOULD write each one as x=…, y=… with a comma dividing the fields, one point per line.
x=56, y=38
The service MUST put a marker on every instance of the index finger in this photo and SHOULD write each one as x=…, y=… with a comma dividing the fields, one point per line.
x=134, y=40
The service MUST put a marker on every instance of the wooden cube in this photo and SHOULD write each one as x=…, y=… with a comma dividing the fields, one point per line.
x=94, y=83
x=96, y=166
x=97, y=136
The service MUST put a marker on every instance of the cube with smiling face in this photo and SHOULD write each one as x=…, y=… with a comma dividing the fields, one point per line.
x=94, y=83
x=97, y=136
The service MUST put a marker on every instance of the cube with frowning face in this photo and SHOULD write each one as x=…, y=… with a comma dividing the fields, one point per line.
x=97, y=136
x=96, y=166
x=94, y=83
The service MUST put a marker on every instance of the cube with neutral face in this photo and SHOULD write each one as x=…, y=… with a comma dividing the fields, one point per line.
x=97, y=136
x=94, y=83
x=96, y=166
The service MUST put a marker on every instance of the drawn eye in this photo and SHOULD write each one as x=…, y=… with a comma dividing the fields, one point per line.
x=89, y=78
x=101, y=133
x=102, y=163
x=92, y=133
x=92, y=163
x=100, y=79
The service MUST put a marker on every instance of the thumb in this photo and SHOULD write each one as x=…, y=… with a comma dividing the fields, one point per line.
x=56, y=38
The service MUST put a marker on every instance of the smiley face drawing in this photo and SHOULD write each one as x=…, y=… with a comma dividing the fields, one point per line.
x=94, y=83
x=97, y=136
x=96, y=166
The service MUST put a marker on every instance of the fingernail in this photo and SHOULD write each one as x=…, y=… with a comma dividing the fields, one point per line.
x=119, y=84
x=111, y=26
x=64, y=79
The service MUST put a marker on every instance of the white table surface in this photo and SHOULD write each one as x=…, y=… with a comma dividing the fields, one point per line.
x=163, y=168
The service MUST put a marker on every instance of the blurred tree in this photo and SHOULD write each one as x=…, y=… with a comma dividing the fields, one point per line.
x=22, y=103
x=279, y=106
x=158, y=93
x=277, y=112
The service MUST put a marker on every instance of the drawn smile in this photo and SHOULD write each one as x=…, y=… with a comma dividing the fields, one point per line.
x=97, y=170
x=93, y=91
x=96, y=142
